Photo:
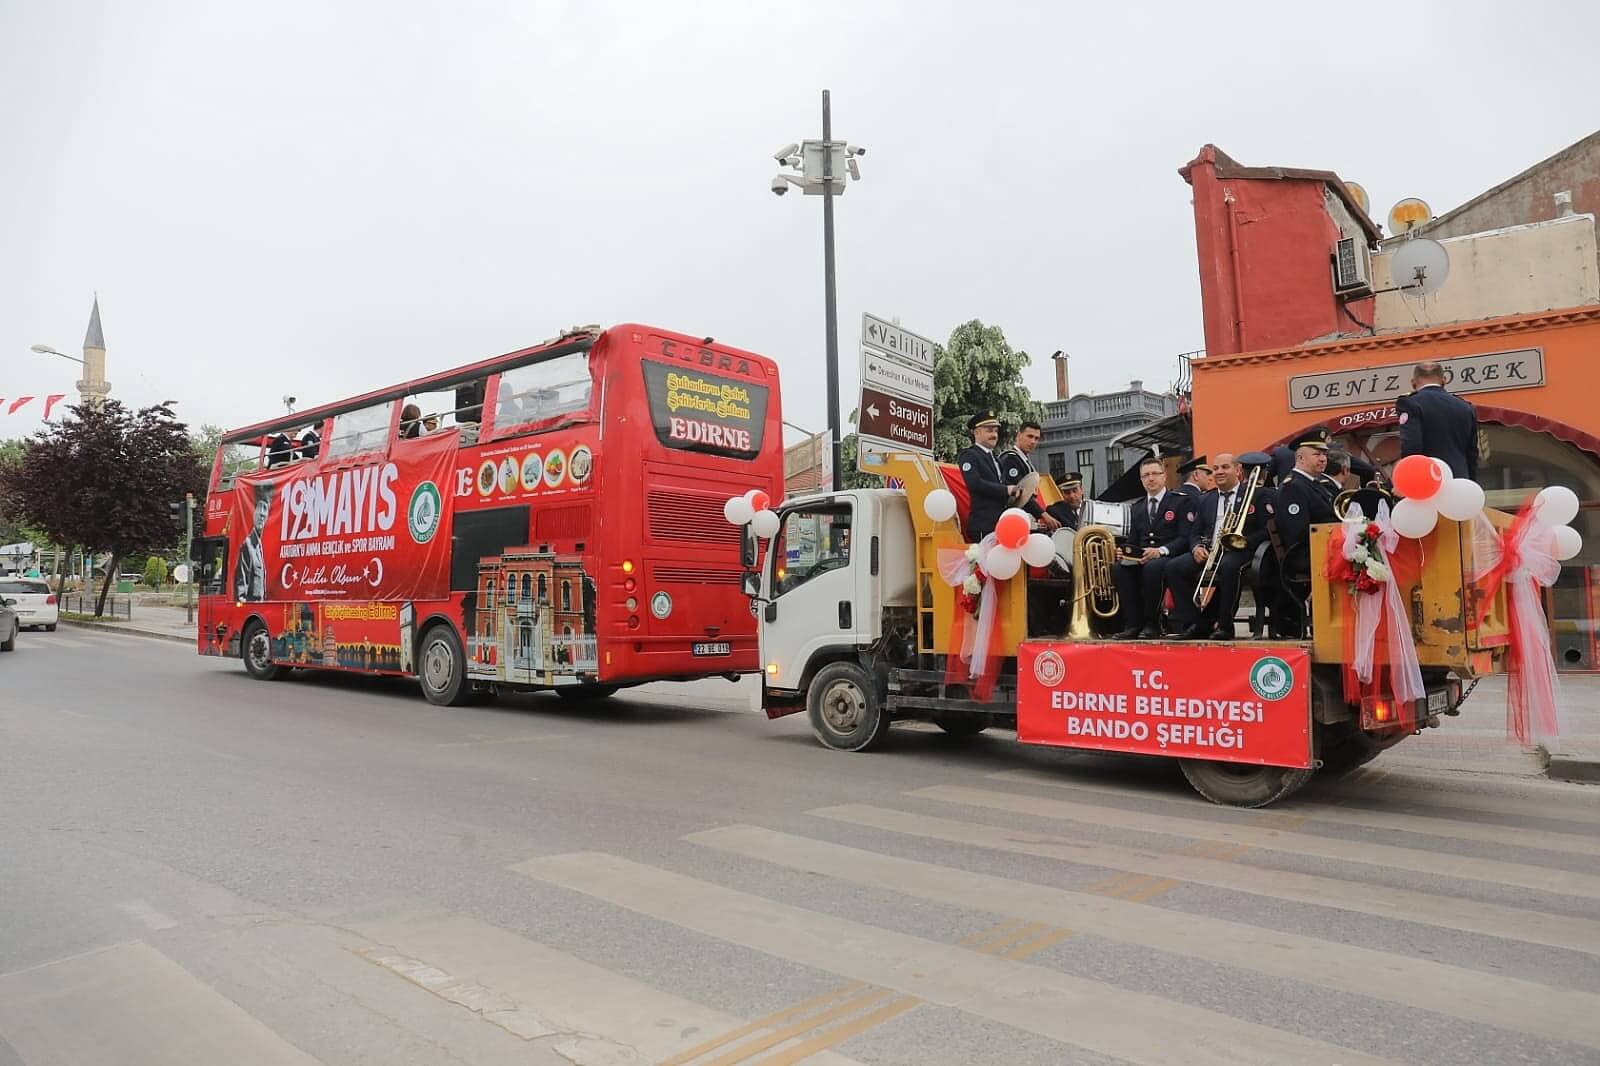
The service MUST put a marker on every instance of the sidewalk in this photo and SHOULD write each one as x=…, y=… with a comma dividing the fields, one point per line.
x=149, y=620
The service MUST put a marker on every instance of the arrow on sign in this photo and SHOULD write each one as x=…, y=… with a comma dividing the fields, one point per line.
x=873, y=410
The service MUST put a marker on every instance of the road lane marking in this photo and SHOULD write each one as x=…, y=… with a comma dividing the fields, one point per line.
x=493, y=1007
x=605, y=1013
x=787, y=1033
x=1033, y=947
x=140, y=910
x=1055, y=1005
x=839, y=1034
x=775, y=1018
x=130, y=1005
x=1405, y=904
x=1450, y=828
x=991, y=932
x=501, y=740
x=1507, y=1002
x=1437, y=863
x=53, y=641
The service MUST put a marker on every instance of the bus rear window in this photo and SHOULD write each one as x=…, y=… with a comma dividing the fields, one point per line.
x=701, y=412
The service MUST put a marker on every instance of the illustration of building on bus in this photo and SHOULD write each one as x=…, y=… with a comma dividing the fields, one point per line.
x=533, y=619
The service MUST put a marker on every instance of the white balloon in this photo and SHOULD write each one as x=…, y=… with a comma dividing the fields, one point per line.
x=1459, y=499
x=1569, y=542
x=1556, y=505
x=765, y=524
x=1002, y=563
x=1414, y=518
x=1039, y=551
x=738, y=511
x=939, y=505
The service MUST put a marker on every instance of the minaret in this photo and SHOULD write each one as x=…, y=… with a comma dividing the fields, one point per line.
x=94, y=387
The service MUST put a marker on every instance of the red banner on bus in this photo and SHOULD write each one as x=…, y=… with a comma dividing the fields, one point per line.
x=367, y=531
x=1241, y=703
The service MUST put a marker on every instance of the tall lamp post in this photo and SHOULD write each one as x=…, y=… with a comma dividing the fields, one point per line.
x=822, y=166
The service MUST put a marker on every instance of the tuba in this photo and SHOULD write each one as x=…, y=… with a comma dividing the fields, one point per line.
x=1094, y=595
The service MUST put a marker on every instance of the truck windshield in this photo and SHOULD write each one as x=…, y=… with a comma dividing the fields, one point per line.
x=813, y=541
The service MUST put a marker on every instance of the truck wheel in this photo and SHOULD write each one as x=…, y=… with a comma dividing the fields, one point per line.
x=1240, y=785
x=256, y=650
x=444, y=668
x=845, y=711
x=961, y=724
x=585, y=693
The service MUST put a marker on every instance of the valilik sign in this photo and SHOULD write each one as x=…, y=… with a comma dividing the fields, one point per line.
x=1241, y=703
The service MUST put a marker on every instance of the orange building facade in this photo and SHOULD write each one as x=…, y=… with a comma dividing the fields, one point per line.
x=1533, y=378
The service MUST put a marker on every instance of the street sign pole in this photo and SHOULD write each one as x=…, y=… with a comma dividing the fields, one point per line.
x=188, y=555
x=827, y=271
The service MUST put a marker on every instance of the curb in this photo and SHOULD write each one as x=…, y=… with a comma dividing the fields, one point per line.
x=1581, y=768
x=117, y=627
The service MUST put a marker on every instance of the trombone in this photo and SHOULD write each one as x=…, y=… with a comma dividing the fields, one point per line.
x=1230, y=538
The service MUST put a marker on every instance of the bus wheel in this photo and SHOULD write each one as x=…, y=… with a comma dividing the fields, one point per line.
x=585, y=693
x=1241, y=785
x=845, y=711
x=961, y=723
x=257, y=654
x=444, y=668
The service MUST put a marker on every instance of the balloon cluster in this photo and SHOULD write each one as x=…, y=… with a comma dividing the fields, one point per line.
x=1015, y=542
x=1431, y=491
x=753, y=509
x=1556, y=507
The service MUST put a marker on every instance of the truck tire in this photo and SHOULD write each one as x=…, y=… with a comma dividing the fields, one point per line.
x=846, y=713
x=1241, y=785
x=585, y=693
x=960, y=723
x=442, y=668
x=255, y=648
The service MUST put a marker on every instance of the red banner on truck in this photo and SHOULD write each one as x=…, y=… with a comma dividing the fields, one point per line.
x=367, y=531
x=1241, y=703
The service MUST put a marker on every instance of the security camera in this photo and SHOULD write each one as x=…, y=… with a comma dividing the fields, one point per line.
x=785, y=152
x=289, y=402
x=854, y=149
x=779, y=186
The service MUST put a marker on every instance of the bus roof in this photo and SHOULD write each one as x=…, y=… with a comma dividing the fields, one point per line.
x=574, y=340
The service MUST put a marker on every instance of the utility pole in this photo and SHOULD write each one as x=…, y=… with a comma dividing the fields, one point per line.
x=188, y=554
x=834, y=430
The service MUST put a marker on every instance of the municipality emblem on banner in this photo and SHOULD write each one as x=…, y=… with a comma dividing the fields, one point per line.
x=1271, y=678
x=422, y=514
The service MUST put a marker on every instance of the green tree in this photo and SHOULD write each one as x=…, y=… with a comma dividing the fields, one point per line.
x=104, y=479
x=11, y=526
x=208, y=439
x=977, y=371
x=155, y=571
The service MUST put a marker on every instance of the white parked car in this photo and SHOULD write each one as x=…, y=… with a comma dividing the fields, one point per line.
x=35, y=603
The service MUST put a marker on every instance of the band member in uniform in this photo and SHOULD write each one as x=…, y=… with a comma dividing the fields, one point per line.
x=250, y=575
x=1156, y=532
x=1016, y=463
x=1304, y=499
x=1200, y=479
x=1069, y=511
x=1217, y=510
x=1435, y=422
x=986, y=482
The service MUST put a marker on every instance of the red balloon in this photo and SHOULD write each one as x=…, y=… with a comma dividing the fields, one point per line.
x=1012, y=530
x=1417, y=477
x=759, y=501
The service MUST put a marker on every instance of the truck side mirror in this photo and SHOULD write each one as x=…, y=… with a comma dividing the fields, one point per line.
x=747, y=547
x=750, y=582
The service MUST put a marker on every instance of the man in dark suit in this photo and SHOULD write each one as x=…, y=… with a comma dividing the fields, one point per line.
x=1215, y=620
x=1016, y=463
x=986, y=482
x=1069, y=510
x=1199, y=479
x=1304, y=499
x=1157, y=533
x=1437, y=424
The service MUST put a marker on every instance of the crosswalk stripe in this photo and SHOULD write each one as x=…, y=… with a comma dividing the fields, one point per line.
x=1560, y=802
x=839, y=1034
x=631, y=1020
x=1058, y=1006
x=988, y=934
x=1507, y=1002
x=1455, y=828
x=1425, y=908
x=1437, y=863
x=756, y=1026
x=998, y=945
x=1033, y=947
x=745, y=1052
x=131, y=1005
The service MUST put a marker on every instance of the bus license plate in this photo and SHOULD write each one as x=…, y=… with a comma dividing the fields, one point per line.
x=720, y=647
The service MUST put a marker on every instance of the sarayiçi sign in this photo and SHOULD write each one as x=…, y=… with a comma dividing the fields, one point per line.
x=1521, y=368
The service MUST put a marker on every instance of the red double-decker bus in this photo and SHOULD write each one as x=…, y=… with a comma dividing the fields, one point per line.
x=550, y=518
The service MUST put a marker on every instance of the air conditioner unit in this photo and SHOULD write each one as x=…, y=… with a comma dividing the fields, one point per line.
x=1352, y=267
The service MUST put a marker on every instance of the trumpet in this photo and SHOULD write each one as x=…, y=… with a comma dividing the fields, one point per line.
x=1230, y=537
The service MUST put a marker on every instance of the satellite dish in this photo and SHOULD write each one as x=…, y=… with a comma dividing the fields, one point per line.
x=1408, y=213
x=1360, y=196
x=1419, y=267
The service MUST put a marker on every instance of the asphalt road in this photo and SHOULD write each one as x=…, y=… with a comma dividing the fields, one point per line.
x=200, y=868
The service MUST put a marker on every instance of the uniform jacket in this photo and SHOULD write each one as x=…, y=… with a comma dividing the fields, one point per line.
x=1433, y=422
x=1302, y=502
x=1170, y=530
x=1015, y=466
x=986, y=488
x=1263, y=505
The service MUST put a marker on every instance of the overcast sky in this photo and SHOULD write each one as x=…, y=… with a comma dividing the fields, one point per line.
x=323, y=198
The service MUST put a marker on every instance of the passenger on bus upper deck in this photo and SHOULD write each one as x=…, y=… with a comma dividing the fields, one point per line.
x=410, y=421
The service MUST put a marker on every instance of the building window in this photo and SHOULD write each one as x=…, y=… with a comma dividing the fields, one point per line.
x=527, y=586
x=1113, y=466
x=488, y=595
x=1085, y=460
x=1058, y=464
x=544, y=590
x=566, y=595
